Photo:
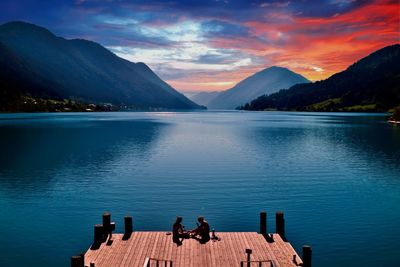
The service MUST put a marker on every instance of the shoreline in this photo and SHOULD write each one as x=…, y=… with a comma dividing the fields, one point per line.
x=190, y=110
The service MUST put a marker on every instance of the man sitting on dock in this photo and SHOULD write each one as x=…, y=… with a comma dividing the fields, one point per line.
x=202, y=232
x=178, y=231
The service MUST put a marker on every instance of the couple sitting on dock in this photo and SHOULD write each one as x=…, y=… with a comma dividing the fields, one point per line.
x=201, y=233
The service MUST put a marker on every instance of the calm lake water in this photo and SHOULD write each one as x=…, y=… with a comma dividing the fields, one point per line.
x=336, y=176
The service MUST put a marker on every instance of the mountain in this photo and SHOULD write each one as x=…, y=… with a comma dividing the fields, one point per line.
x=371, y=84
x=36, y=63
x=204, y=98
x=267, y=81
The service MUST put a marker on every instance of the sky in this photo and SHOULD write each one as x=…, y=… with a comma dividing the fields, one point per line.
x=210, y=45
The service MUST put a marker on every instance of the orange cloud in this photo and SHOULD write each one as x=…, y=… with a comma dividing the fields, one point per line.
x=320, y=47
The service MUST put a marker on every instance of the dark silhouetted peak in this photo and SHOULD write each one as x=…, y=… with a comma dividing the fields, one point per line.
x=20, y=27
x=378, y=57
x=46, y=66
x=275, y=68
x=266, y=81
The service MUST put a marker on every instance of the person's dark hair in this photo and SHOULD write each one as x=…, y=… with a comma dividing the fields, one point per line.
x=178, y=219
x=200, y=218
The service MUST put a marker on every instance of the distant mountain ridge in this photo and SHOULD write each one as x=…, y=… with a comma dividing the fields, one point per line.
x=371, y=84
x=204, y=98
x=266, y=81
x=35, y=62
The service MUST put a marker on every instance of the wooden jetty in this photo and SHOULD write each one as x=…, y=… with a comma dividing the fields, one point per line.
x=148, y=249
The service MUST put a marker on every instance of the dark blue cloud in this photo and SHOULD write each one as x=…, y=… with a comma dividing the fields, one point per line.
x=148, y=11
x=225, y=29
x=326, y=8
x=129, y=35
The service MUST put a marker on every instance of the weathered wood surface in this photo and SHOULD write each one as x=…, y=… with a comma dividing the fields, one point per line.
x=228, y=251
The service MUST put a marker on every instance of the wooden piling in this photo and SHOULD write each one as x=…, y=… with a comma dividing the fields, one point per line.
x=263, y=223
x=248, y=252
x=128, y=225
x=75, y=261
x=78, y=261
x=98, y=233
x=307, y=253
x=108, y=226
x=106, y=219
x=280, y=224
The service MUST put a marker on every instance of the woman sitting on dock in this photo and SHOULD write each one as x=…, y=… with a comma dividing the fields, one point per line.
x=178, y=231
x=202, y=232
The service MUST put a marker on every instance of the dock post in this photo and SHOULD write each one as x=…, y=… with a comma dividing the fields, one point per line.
x=106, y=219
x=83, y=259
x=108, y=225
x=98, y=233
x=78, y=261
x=128, y=225
x=307, y=253
x=248, y=252
x=263, y=223
x=280, y=224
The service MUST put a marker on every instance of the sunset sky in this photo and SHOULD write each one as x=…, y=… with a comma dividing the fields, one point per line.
x=210, y=45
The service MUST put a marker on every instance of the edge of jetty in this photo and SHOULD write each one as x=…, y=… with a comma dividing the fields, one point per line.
x=151, y=248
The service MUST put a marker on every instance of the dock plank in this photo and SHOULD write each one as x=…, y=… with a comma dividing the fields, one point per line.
x=228, y=251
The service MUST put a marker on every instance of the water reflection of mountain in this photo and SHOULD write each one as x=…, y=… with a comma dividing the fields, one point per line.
x=34, y=152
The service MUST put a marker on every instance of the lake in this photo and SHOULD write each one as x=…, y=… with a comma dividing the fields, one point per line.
x=335, y=175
